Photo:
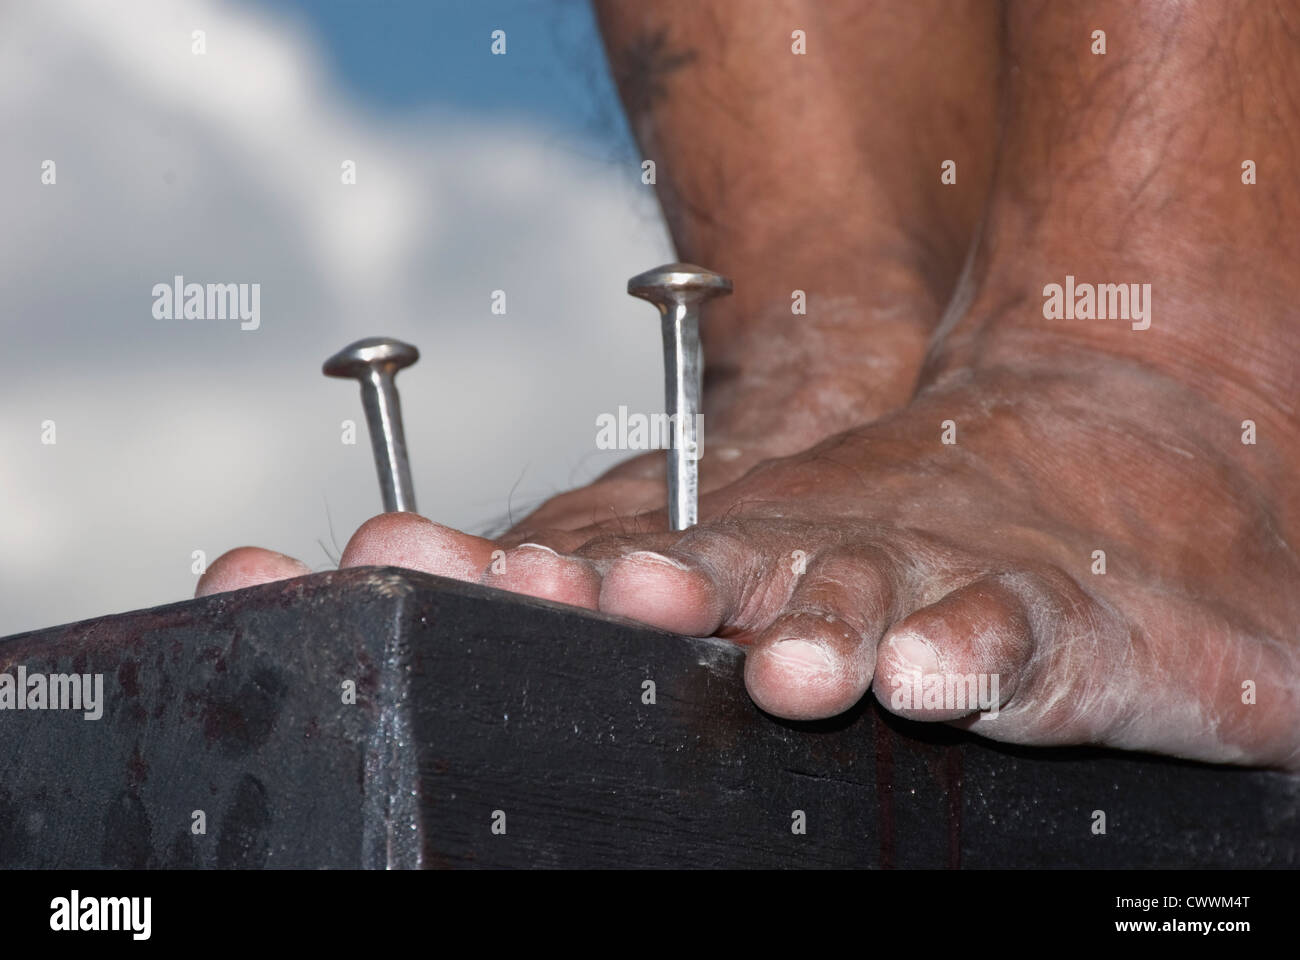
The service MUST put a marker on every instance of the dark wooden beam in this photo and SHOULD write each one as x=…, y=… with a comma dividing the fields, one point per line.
x=471, y=701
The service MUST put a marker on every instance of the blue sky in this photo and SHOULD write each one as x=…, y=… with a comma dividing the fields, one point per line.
x=400, y=55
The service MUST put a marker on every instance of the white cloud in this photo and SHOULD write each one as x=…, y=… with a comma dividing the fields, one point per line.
x=183, y=435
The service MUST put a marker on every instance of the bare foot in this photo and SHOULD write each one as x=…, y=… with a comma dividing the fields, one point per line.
x=1081, y=445
x=841, y=250
x=884, y=551
x=885, y=554
x=1123, y=442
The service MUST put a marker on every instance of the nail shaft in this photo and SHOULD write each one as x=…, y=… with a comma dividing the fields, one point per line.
x=384, y=418
x=683, y=375
x=374, y=362
x=679, y=290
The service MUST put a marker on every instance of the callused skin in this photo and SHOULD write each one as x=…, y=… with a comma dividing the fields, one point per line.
x=1067, y=505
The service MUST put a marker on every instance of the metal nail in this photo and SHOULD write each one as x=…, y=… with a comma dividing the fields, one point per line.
x=374, y=362
x=678, y=290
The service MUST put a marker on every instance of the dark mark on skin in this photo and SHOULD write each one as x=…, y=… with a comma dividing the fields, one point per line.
x=642, y=70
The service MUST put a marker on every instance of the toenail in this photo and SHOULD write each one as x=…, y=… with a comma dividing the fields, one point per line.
x=916, y=654
x=536, y=546
x=657, y=558
x=802, y=655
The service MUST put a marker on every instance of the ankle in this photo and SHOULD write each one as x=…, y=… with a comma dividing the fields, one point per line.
x=1220, y=329
x=1126, y=168
x=831, y=355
